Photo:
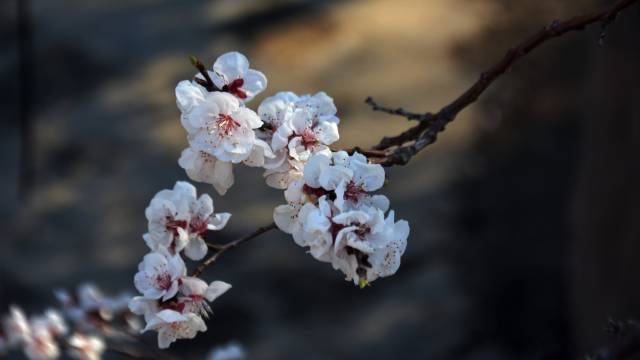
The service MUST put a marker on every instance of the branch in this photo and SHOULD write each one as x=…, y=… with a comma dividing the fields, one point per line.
x=396, y=111
x=211, y=260
x=426, y=133
x=205, y=81
x=399, y=149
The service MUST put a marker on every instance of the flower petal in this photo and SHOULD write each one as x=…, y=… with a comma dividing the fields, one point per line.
x=216, y=289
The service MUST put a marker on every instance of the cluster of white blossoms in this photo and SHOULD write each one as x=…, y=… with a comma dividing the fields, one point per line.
x=41, y=337
x=173, y=303
x=330, y=207
x=333, y=212
x=222, y=131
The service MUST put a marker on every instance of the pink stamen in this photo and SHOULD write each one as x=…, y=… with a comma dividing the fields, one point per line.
x=226, y=124
x=163, y=281
x=309, y=139
x=353, y=191
x=173, y=225
x=199, y=226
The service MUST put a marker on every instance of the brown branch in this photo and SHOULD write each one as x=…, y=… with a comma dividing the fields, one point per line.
x=426, y=133
x=396, y=111
x=206, y=81
x=213, y=258
x=216, y=247
x=399, y=149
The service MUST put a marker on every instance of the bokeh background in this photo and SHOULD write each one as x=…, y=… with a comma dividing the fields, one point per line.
x=525, y=215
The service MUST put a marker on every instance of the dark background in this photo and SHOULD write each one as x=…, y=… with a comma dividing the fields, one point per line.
x=525, y=216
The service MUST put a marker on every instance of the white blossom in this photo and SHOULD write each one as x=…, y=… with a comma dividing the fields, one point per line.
x=221, y=127
x=317, y=229
x=295, y=128
x=231, y=351
x=168, y=215
x=386, y=261
x=286, y=216
x=376, y=243
x=352, y=178
x=188, y=95
x=172, y=325
x=53, y=321
x=197, y=294
x=178, y=220
x=231, y=73
x=159, y=274
x=86, y=347
x=146, y=307
x=88, y=302
x=16, y=326
x=41, y=345
x=202, y=220
x=203, y=167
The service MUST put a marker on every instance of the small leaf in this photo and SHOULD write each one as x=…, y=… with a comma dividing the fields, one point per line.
x=362, y=283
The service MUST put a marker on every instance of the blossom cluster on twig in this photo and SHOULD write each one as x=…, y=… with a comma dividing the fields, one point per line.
x=331, y=209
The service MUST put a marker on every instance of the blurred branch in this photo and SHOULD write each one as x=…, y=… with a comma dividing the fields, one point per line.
x=222, y=249
x=395, y=152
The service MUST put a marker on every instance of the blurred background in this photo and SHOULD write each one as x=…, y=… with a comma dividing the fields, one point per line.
x=525, y=216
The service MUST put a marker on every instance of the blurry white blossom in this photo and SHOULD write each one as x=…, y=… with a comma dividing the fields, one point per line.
x=89, y=308
x=41, y=344
x=85, y=347
x=53, y=321
x=16, y=326
x=231, y=351
x=172, y=325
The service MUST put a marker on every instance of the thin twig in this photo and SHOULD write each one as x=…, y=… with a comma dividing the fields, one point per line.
x=216, y=247
x=396, y=111
x=206, y=81
x=212, y=259
x=426, y=133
